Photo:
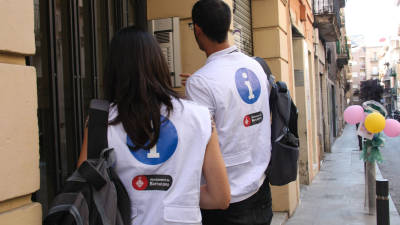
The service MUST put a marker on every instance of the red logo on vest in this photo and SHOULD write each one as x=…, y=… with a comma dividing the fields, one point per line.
x=247, y=121
x=253, y=119
x=140, y=183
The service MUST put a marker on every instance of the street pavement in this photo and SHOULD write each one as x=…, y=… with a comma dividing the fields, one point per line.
x=390, y=167
x=336, y=195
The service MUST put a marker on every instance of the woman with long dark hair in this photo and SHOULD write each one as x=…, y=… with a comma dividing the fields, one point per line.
x=162, y=143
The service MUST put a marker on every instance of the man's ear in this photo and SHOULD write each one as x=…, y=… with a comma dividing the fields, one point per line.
x=197, y=30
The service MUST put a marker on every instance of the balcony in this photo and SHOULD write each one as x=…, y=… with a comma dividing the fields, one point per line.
x=342, y=59
x=342, y=54
x=327, y=19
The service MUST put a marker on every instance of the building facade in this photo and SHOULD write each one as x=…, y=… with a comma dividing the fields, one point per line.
x=372, y=61
x=379, y=62
x=357, y=73
x=331, y=40
x=59, y=48
x=389, y=67
x=19, y=136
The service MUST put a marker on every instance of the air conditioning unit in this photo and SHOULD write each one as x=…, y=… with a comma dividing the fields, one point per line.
x=166, y=32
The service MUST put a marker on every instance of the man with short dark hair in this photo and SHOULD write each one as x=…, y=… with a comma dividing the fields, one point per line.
x=235, y=89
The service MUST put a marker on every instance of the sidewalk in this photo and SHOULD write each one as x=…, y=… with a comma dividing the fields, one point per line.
x=336, y=195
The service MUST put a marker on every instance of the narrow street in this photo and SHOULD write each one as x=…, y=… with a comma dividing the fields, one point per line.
x=56, y=56
x=390, y=168
x=336, y=195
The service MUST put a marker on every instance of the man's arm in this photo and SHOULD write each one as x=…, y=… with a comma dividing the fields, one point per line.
x=198, y=91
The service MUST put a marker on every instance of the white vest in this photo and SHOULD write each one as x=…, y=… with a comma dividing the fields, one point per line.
x=164, y=183
x=235, y=89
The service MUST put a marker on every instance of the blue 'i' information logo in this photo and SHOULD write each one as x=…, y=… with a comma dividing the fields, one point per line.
x=163, y=150
x=248, y=85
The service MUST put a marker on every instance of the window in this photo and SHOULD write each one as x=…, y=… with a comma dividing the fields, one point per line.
x=375, y=70
x=328, y=56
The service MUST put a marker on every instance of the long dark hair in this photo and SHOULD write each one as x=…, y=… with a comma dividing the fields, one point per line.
x=137, y=80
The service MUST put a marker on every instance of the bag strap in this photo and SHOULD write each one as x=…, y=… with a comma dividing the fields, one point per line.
x=97, y=127
x=73, y=204
x=92, y=175
x=276, y=88
x=271, y=81
x=267, y=71
x=265, y=66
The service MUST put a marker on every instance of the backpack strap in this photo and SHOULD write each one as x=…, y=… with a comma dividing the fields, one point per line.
x=267, y=71
x=68, y=208
x=276, y=88
x=264, y=65
x=271, y=81
x=92, y=175
x=97, y=127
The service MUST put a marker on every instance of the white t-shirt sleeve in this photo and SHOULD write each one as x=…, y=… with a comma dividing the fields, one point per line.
x=198, y=91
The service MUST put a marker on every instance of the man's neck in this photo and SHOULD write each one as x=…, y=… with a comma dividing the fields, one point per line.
x=216, y=47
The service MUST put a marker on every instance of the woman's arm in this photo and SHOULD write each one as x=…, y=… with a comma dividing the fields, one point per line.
x=216, y=193
x=83, y=155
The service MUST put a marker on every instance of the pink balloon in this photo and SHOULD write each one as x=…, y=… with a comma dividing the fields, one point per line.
x=354, y=114
x=392, y=128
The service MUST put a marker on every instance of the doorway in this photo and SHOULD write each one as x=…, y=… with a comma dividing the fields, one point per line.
x=72, y=39
x=333, y=111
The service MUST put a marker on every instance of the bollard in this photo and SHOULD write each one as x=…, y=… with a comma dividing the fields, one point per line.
x=382, y=202
x=370, y=182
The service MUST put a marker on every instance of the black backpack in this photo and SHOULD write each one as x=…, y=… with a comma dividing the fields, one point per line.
x=282, y=168
x=93, y=194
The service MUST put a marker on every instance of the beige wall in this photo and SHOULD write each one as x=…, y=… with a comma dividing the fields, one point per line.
x=326, y=109
x=300, y=56
x=301, y=17
x=271, y=32
x=192, y=57
x=19, y=163
x=314, y=117
x=17, y=34
x=320, y=68
x=272, y=42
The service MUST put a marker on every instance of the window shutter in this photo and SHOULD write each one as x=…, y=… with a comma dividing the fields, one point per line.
x=242, y=30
